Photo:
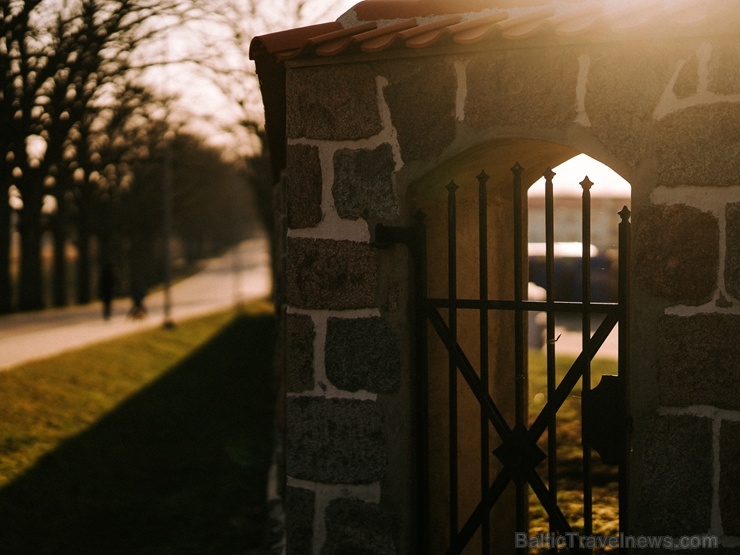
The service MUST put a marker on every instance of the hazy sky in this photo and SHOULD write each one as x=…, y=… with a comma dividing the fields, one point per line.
x=204, y=100
x=224, y=40
x=569, y=175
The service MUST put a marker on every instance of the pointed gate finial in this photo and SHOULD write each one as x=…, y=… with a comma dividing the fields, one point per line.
x=625, y=213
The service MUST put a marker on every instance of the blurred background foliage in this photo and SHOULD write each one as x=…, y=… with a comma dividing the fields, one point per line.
x=82, y=150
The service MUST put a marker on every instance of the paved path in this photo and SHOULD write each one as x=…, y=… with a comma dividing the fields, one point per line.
x=241, y=274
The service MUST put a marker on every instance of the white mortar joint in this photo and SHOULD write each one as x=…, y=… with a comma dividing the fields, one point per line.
x=670, y=103
x=584, y=65
x=325, y=494
x=322, y=385
x=717, y=416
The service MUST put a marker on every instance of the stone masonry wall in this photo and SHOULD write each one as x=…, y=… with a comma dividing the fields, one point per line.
x=343, y=325
x=686, y=259
x=664, y=115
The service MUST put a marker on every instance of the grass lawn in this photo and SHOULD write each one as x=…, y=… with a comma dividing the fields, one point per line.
x=570, y=453
x=156, y=443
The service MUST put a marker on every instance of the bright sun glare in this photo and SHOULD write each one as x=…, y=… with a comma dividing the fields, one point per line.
x=569, y=174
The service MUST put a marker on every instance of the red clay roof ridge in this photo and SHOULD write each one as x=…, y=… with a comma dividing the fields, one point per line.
x=421, y=23
x=347, y=20
x=426, y=11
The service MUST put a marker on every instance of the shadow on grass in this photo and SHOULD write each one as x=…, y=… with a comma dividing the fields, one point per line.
x=180, y=467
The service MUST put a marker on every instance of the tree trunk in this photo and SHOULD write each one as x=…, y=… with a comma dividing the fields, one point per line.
x=83, y=266
x=60, y=255
x=5, y=237
x=30, y=280
x=84, y=233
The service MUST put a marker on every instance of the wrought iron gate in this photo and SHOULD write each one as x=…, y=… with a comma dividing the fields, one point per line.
x=604, y=409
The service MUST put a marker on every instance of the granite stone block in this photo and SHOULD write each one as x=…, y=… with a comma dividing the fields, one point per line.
x=363, y=353
x=359, y=528
x=729, y=478
x=624, y=87
x=732, y=256
x=335, y=441
x=528, y=88
x=724, y=69
x=299, y=510
x=421, y=99
x=303, y=184
x=697, y=365
x=363, y=184
x=677, y=253
x=683, y=151
x=332, y=103
x=675, y=486
x=687, y=82
x=328, y=274
x=300, y=336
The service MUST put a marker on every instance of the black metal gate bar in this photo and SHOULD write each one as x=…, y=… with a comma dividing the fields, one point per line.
x=470, y=375
x=480, y=513
x=554, y=513
x=623, y=363
x=483, y=336
x=563, y=390
x=518, y=452
x=552, y=440
x=585, y=334
x=572, y=376
x=520, y=376
x=421, y=409
x=452, y=315
x=575, y=373
x=560, y=306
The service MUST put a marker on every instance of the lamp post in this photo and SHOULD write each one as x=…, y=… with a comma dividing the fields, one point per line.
x=167, y=230
x=167, y=322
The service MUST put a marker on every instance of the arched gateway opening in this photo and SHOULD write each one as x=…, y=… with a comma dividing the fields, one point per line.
x=519, y=435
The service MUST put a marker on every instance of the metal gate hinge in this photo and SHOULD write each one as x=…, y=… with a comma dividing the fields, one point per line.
x=387, y=235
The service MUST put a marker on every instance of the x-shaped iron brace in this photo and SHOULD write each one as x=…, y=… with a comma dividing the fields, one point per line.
x=522, y=436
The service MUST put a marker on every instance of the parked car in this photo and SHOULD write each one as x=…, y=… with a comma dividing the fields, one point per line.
x=568, y=274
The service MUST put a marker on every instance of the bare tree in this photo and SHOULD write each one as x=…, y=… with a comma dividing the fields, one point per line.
x=56, y=61
x=14, y=25
x=225, y=29
x=215, y=53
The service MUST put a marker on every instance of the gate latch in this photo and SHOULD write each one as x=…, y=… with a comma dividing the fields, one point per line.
x=606, y=424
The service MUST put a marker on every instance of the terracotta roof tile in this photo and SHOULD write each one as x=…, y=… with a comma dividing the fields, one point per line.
x=632, y=17
x=374, y=10
x=377, y=25
x=525, y=25
x=577, y=21
x=383, y=37
x=292, y=40
x=428, y=34
x=475, y=30
x=336, y=42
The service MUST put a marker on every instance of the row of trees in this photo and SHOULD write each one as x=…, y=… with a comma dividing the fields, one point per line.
x=82, y=144
x=83, y=139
